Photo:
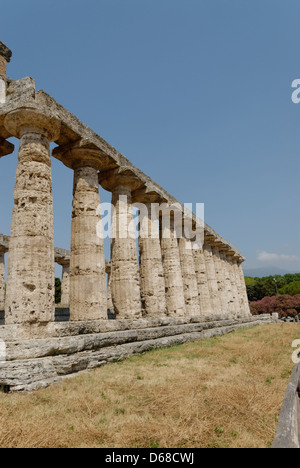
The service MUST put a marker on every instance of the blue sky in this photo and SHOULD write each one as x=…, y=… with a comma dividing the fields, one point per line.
x=196, y=93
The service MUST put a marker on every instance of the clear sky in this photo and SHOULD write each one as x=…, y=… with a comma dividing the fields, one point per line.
x=196, y=93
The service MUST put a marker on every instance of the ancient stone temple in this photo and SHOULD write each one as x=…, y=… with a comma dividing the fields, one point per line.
x=161, y=289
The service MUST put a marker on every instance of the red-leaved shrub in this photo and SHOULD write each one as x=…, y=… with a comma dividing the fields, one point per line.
x=285, y=306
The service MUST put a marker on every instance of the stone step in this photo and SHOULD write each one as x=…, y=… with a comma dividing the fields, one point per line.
x=61, y=315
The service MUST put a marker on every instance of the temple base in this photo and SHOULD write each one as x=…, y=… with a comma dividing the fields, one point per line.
x=46, y=354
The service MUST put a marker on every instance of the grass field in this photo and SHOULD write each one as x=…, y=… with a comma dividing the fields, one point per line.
x=220, y=392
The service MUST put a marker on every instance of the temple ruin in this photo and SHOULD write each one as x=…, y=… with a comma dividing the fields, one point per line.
x=154, y=293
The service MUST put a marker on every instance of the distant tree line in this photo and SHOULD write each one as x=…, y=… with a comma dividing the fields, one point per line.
x=269, y=286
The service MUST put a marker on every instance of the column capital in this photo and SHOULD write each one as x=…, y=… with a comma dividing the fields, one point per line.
x=207, y=246
x=5, y=52
x=146, y=195
x=121, y=177
x=6, y=147
x=81, y=153
x=236, y=259
x=5, y=56
x=62, y=257
x=27, y=120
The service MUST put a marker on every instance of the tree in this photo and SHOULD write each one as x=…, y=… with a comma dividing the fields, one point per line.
x=291, y=289
x=57, y=291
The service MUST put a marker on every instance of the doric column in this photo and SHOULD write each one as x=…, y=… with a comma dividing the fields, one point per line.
x=65, y=285
x=172, y=269
x=203, y=289
x=125, y=282
x=230, y=300
x=2, y=281
x=110, y=305
x=62, y=257
x=242, y=290
x=190, y=284
x=212, y=279
x=4, y=244
x=220, y=275
x=152, y=281
x=234, y=286
x=87, y=261
x=30, y=280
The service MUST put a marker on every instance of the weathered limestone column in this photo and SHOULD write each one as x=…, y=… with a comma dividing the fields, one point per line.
x=2, y=281
x=110, y=305
x=234, y=286
x=152, y=281
x=190, y=284
x=220, y=274
x=65, y=285
x=30, y=280
x=242, y=290
x=125, y=281
x=87, y=263
x=172, y=271
x=212, y=279
x=203, y=289
x=230, y=300
x=88, y=299
x=62, y=257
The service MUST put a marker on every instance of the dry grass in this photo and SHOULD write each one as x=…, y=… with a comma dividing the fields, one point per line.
x=220, y=392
